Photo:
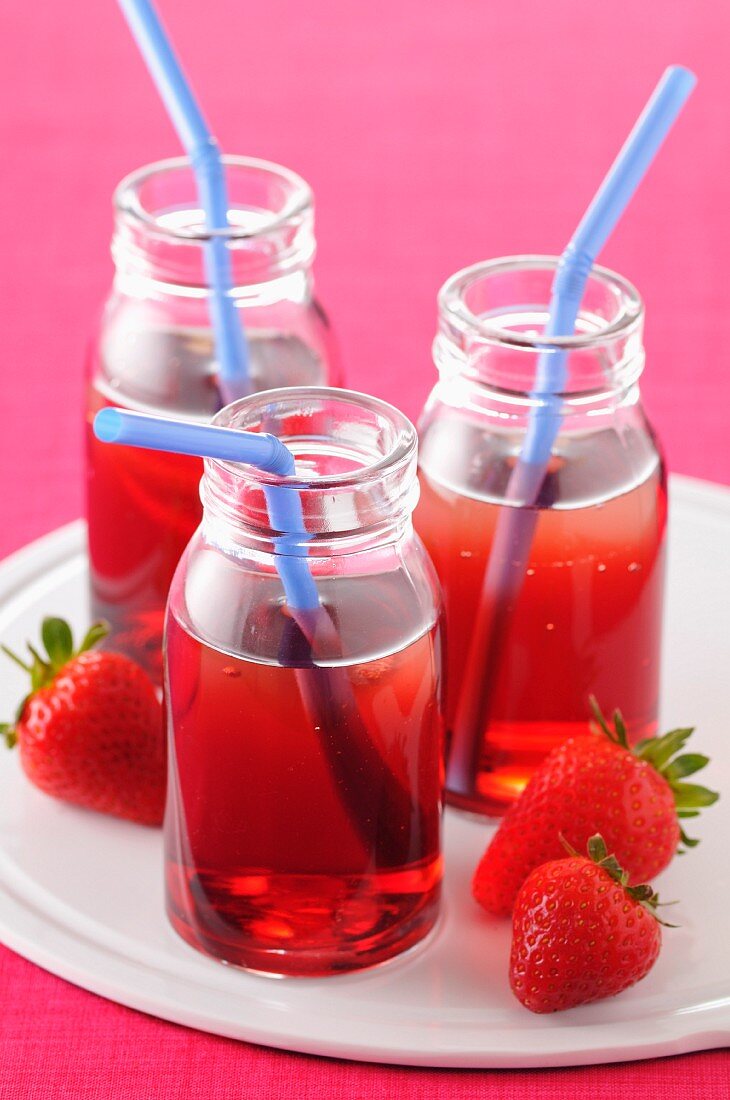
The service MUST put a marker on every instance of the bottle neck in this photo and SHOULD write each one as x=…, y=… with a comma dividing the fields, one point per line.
x=160, y=239
x=355, y=482
x=511, y=409
x=492, y=348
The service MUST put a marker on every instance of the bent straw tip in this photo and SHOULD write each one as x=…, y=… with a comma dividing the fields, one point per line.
x=108, y=425
x=682, y=77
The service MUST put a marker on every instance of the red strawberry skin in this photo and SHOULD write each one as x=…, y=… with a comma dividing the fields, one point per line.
x=587, y=785
x=577, y=936
x=94, y=737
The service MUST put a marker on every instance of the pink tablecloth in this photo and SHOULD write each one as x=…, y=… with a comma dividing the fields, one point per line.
x=435, y=134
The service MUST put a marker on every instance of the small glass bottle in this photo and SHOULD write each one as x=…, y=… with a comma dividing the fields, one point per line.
x=303, y=819
x=578, y=609
x=154, y=352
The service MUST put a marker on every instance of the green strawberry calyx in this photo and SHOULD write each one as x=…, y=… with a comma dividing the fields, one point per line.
x=598, y=853
x=661, y=752
x=58, y=643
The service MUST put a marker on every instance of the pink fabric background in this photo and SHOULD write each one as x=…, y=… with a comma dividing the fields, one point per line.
x=434, y=134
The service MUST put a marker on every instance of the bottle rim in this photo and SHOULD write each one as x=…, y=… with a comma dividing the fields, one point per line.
x=453, y=306
x=127, y=202
x=399, y=454
x=366, y=502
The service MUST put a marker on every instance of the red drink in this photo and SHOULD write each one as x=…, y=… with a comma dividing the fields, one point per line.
x=551, y=557
x=587, y=621
x=264, y=851
x=306, y=769
x=154, y=353
x=143, y=508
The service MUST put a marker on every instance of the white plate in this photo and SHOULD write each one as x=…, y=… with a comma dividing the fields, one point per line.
x=81, y=895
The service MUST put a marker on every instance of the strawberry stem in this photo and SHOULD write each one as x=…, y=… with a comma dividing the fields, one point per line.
x=661, y=753
x=8, y=732
x=14, y=657
x=597, y=849
x=643, y=893
x=96, y=633
x=618, y=734
x=57, y=639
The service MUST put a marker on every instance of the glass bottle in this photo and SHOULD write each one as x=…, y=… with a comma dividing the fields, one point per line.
x=154, y=352
x=553, y=597
x=303, y=819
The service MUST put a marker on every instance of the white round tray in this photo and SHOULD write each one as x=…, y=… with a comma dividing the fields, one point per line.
x=81, y=895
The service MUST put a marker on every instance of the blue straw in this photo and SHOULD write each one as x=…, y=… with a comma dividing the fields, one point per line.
x=515, y=527
x=204, y=153
x=597, y=224
x=261, y=450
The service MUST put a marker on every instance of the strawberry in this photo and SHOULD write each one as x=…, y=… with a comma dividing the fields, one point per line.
x=91, y=730
x=580, y=932
x=595, y=783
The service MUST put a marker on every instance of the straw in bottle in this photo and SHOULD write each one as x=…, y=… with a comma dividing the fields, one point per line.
x=517, y=521
x=362, y=777
x=204, y=153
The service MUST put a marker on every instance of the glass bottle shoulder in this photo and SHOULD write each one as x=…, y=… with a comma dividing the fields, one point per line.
x=602, y=451
x=380, y=601
x=158, y=354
